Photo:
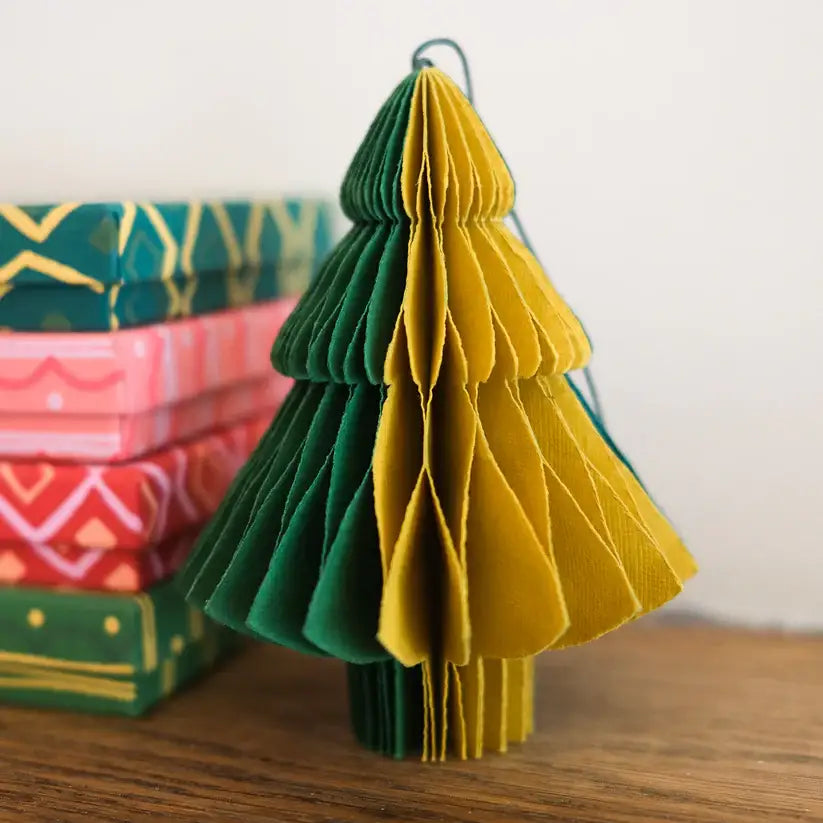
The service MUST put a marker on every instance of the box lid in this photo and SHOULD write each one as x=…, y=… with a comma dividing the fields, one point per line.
x=100, y=266
x=127, y=505
x=93, y=244
x=133, y=370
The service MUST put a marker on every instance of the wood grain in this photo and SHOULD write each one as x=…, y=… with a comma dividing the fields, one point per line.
x=653, y=723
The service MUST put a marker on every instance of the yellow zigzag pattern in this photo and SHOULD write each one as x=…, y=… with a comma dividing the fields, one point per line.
x=297, y=239
x=27, y=225
x=126, y=225
x=39, y=233
x=239, y=291
x=179, y=303
x=45, y=265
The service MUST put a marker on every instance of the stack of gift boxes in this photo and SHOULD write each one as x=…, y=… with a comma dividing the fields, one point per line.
x=134, y=382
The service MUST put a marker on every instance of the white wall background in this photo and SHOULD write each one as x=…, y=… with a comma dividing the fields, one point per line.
x=669, y=162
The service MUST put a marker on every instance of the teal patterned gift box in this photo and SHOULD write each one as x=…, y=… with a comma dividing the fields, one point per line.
x=101, y=266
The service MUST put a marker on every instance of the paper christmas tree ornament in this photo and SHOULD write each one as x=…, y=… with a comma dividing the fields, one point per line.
x=434, y=503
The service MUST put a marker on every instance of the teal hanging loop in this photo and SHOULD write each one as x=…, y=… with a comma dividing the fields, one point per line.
x=420, y=61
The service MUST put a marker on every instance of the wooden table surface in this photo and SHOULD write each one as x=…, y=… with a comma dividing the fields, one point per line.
x=655, y=723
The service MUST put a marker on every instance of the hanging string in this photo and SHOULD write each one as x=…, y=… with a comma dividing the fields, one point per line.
x=419, y=61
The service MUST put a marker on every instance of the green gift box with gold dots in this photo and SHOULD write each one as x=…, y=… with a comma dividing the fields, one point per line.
x=101, y=266
x=106, y=653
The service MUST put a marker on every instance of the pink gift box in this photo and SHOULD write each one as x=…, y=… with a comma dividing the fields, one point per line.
x=118, y=395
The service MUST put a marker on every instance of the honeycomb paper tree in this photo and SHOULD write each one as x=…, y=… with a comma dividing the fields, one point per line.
x=434, y=503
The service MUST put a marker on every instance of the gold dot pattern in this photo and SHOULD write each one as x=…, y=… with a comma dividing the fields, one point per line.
x=111, y=625
x=36, y=618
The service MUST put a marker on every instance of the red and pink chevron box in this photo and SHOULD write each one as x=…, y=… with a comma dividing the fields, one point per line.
x=128, y=505
x=115, y=526
x=116, y=396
